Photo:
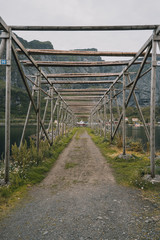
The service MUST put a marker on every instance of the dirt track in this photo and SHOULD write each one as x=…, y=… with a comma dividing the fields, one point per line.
x=79, y=199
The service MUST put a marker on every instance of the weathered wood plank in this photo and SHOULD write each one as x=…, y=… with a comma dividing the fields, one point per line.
x=7, y=110
x=61, y=90
x=81, y=75
x=81, y=93
x=152, y=110
x=78, y=82
x=79, y=53
x=77, y=64
x=84, y=28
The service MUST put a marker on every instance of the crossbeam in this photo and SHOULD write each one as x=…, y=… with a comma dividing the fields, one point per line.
x=81, y=75
x=84, y=28
x=79, y=53
x=78, y=82
x=78, y=64
x=81, y=93
x=82, y=90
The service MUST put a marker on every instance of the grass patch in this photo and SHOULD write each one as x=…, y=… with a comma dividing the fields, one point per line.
x=79, y=132
x=28, y=168
x=70, y=165
x=129, y=172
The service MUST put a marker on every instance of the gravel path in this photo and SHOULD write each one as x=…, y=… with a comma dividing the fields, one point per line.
x=82, y=202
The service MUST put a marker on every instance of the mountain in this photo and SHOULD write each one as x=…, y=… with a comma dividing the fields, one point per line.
x=18, y=90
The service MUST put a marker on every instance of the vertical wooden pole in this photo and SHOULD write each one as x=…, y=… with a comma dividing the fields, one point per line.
x=124, y=115
x=91, y=121
x=38, y=110
x=104, y=116
x=72, y=120
x=58, y=108
x=61, y=117
x=101, y=123
x=44, y=116
x=65, y=120
x=52, y=114
x=7, y=109
x=2, y=47
x=27, y=117
x=152, y=110
x=118, y=110
x=111, y=116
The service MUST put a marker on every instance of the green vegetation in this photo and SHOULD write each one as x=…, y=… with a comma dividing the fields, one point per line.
x=70, y=165
x=29, y=167
x=79, y=133
x=130, y=171
x=19, y=105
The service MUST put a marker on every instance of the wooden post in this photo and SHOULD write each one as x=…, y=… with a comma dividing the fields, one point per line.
x=7, y=109
x=152, y=110
x=124, y=114
x=104, y=116
x=61, y=118
x=100, y=121
x=44, y=115
x=65, y=119
x=58, y=109
x=38, y=110
x=2, y=47
x=51, y=89
x=27, y=117
x=118, y=110
x=111, y=120
x=91, y=120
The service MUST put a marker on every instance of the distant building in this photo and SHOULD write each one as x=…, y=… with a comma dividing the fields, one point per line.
x=81, y=124
x=126, y=119
x=135, y=119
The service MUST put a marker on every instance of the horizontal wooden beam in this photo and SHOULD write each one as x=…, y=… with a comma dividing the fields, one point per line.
x=80, y=100
x=81, y=104
x=84, y=28
x=78, y=82
x=81, y=75
x=82, y=116
x=79, y=52
x=78, y=64
x=80, y=93
x=79, y=97
x=61, y=90
x=82, y=113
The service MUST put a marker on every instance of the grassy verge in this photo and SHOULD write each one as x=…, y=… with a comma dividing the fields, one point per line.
x=129, y=172
x=29, y=167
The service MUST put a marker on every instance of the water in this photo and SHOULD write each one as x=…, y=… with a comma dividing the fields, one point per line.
x=137, y=133
x=16, y=132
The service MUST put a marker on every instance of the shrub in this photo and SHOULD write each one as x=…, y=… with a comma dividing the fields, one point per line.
x=136, y=146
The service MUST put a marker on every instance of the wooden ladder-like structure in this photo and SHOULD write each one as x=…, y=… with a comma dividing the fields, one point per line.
x=71, y=104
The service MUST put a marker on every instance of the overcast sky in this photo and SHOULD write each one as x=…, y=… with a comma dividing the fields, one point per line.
x=84, y=12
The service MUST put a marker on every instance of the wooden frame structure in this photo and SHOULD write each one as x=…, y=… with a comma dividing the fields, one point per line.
x=90, y=103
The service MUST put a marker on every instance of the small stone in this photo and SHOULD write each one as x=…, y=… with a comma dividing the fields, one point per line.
x=100, y=218
x=45, y=233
